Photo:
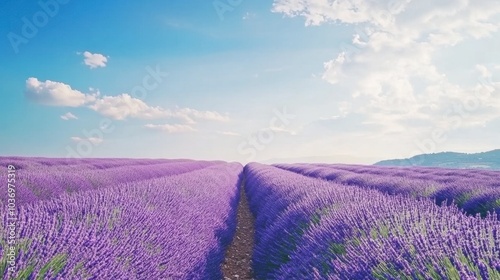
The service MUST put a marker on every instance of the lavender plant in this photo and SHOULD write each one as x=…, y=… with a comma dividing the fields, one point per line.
x=475, y=191
x=314, y=229
x=168, y=227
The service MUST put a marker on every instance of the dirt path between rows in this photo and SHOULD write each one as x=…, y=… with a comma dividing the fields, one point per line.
x=237, y=264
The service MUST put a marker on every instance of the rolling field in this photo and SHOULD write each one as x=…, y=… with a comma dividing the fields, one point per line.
x=175, y=219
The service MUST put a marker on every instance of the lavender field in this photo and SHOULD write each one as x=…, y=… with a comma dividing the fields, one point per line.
x=175, y=219
x=317, y=229
x=250, y=140
x=120, y=219
x=475, y=191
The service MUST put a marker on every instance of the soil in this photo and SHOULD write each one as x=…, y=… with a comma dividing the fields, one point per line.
x=238, y=262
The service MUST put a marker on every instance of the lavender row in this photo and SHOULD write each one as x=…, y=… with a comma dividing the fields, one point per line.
x=40, y=184
x=313, y=229
x=174, y=227
x=488, y=178
x=473, y=196
x=64, y=164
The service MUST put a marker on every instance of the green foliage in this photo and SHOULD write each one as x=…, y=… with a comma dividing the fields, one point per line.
x=388, y=271
x=55, y=265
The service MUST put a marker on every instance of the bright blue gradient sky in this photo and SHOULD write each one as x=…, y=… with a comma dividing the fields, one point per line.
x=354, y=81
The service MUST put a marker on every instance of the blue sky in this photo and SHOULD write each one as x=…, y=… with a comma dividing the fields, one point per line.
x=349, y=80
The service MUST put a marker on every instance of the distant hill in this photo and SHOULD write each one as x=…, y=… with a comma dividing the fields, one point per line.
x=486, y=160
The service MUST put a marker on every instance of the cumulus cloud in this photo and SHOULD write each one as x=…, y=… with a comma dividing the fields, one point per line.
x=93, y=140
x=119, y=107
x=484, y=71
x=123, y=106
x=171, y=128
x=94, y=60
x=388, y=70
x=190, y=115
x=55, y=94
x=68, y=116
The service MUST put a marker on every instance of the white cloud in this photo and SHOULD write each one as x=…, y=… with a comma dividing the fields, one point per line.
x=189, y=115
x=93, y=140
x=484, y=71
x=94, y=60
x=171, y=128
x=55, y=94
x=389, y=72
x=118, y=107
x=69, y=116
x=248, y=16
x=124, y=106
